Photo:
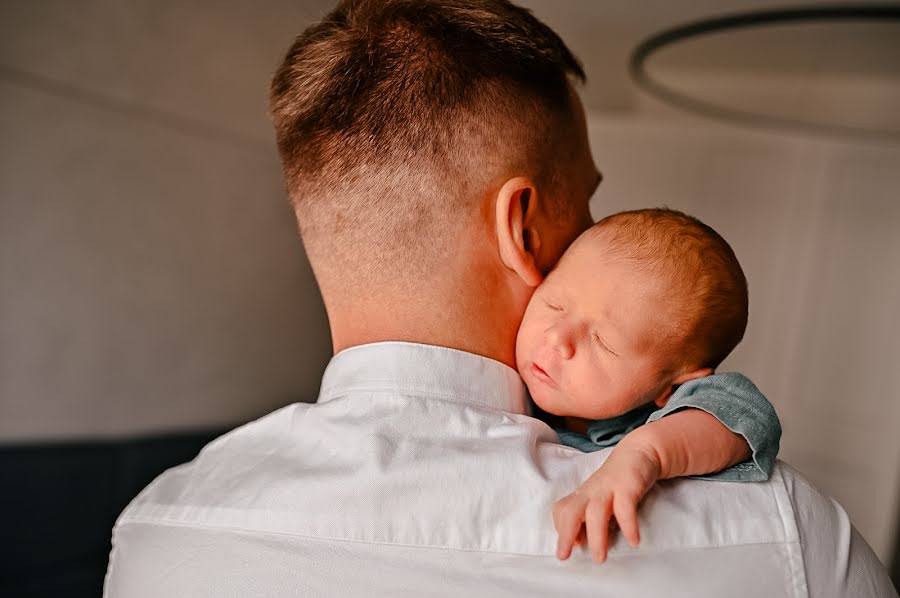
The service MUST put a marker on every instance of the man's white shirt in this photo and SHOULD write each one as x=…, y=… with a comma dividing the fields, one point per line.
x=420, y=473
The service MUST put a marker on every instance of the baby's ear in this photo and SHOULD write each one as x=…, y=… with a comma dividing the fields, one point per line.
x=681, y=379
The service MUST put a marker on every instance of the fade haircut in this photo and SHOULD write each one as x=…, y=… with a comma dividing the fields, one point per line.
x=707, y=289
x=394, y=117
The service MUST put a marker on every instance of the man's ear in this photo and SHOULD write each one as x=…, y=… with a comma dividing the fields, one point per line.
x=679, y=380
x=517, y=241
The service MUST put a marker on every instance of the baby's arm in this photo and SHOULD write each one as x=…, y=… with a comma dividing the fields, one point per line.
x=689, y=442
x=712, y=422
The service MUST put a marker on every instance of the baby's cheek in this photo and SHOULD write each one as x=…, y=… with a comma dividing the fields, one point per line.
x=525, y=339
x=546, y=400
x=587, y=393
x=521, y=351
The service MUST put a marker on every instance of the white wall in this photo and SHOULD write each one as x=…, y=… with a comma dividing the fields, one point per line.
x=816, y=225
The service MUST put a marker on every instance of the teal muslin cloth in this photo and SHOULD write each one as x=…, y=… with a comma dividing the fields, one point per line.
x=730, y=397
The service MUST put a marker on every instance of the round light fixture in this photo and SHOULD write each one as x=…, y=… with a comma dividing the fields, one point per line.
x=830, y=70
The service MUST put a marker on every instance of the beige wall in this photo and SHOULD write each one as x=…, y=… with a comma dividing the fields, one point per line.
x=150, y=274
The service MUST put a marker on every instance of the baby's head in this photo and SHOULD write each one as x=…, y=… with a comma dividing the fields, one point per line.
x=641, y=302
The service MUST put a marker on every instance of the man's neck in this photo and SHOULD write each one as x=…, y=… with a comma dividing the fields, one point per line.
x=482, y=321
x=376, y=323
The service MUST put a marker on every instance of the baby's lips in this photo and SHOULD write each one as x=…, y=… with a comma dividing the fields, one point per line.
x=541, y=374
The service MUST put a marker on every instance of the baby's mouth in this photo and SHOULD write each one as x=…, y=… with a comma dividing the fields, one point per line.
x=542, y=375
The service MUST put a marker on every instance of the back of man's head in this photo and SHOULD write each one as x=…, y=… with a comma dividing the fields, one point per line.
x=394, y=117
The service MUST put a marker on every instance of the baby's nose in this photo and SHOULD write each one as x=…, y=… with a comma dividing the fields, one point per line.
x=561, y=342
x=566, y=349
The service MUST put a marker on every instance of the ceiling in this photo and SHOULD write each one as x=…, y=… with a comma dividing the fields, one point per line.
x=845, y=74
x=603, y=34
x=205, y=65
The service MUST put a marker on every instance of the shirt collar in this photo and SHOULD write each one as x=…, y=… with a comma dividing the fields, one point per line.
x=426, y=370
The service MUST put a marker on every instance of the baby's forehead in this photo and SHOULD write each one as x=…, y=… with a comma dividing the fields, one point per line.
x=592, y=242
x=648, y=251
x=603, y=247
x=650, y=272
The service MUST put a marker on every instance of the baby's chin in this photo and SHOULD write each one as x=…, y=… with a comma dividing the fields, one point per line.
x=547, y=401
x=556, y=403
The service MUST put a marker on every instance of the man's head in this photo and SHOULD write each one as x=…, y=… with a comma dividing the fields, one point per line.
x=405, y=125
x=642, y=302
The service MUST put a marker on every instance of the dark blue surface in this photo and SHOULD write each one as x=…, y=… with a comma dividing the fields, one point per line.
x=58, y=503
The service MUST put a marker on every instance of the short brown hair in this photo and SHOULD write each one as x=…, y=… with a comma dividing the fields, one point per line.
x=388, y=116
x=709, y=286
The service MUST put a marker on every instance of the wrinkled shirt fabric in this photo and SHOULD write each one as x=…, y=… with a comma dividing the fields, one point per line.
x=419, y=472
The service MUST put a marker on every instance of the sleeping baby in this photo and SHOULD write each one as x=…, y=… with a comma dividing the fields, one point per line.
x=619, y=346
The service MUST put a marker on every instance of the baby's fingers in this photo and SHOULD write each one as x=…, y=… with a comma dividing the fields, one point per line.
x=581, y=538
x=596, y=520
x=625, y=509
x=568, y=517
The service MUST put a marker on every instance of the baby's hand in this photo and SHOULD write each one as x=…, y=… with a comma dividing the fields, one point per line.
x=614, y=489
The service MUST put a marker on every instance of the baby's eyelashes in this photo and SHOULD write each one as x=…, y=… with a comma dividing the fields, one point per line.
x=604, y=346
x=552, y=306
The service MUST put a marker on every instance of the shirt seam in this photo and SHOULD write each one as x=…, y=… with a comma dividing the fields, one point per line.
x=803, y=592
x=231, y=528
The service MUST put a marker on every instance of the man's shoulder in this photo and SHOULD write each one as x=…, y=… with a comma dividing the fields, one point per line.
x=232, y=456
x=690, y=513
x=310, y=469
